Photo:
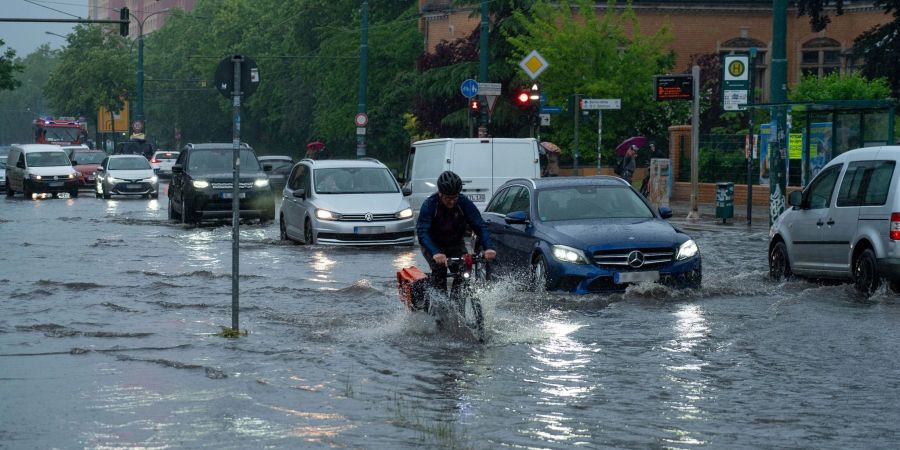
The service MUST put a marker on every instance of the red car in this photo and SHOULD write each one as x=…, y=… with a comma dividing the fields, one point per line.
x=86, y=163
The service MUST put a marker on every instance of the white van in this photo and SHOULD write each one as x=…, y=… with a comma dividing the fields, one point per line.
x=40, y=168
x=483, y=164
x=845, y=224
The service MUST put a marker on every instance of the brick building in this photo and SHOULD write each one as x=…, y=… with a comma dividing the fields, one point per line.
x=109, y=9
x=699, y=27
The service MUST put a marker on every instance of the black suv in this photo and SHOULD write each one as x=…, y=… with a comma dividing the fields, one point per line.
x=201, y=186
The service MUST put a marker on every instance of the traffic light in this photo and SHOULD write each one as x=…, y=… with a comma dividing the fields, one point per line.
x=474, y=107
x=123, y=27
x=523, y=101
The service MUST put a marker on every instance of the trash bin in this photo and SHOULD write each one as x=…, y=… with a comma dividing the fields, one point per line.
x=724, y=201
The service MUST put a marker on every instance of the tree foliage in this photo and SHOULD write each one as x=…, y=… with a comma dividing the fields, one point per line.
x=597, y=55
x=836, y=87
x=20, y=106
x=8, y=69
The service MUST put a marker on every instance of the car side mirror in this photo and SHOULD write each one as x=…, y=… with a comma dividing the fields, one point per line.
x=74, y=163
x=665, y=212
x=267, y=167
x=517, y=218
x=795, y=198
x=300, y=193
x=100, y=169
x=177, y=168
x=407, y=191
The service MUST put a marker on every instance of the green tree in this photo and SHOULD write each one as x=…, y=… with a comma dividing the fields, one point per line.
x=834, y=86
x=8, y=69
x=21, y=106
x=592, y=54
x=94, y=71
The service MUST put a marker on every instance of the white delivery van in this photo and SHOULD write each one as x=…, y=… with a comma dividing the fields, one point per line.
x=483, y=164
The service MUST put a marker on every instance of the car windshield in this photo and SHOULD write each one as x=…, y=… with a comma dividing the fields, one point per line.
x=47, y=159
x=68, y=134
x=220, y=161
x=2, y=162
x=590, y=202
x=280, y=165
x=166, y=155
x=355, y=180
x=128, y=164
x=88, y=157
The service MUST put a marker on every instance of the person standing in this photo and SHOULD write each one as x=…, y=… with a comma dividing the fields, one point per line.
x=629, y=164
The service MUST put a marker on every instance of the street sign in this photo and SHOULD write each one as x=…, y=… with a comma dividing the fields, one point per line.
x=735, y=81
x=551, y=110
x=545, y=120
x=489, y=88
x=469, y=88
x=601, y=103
x=225, y=76
x=533, y=64
x=361, y=119
x=673, y=87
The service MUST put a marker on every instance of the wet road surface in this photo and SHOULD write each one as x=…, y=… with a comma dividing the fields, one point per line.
x=108, y=340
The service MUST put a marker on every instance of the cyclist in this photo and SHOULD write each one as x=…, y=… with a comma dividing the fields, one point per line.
x=444, y=219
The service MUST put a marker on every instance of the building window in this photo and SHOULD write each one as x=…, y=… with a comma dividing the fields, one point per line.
x=820, y=57
x=760, y=63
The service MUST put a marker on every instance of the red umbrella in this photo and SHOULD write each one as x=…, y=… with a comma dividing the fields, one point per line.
x=639, y=141
x=315, y=145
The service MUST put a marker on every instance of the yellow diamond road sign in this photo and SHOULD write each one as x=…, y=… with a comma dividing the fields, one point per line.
x=533, y=64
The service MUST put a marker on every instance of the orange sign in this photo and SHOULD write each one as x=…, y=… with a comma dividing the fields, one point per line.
x=111, y=123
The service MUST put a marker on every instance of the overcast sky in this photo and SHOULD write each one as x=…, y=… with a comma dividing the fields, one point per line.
x=24, y=38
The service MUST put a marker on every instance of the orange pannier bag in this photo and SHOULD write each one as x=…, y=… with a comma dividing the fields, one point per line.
x=411, y=286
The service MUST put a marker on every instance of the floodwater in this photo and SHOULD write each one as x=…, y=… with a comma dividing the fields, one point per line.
x=110, y=315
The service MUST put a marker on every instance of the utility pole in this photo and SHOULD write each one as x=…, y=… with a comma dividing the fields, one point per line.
x=363, y=76
x=778, y=94
x=577, y=109
x=695, y=146
x=483, y=63
x=139, y=107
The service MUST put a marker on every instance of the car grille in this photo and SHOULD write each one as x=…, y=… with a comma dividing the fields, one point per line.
x=366, y=237
x=132, y=186
x=55, y=178
x=247, y=185
x=362, y=218
x=619, y=258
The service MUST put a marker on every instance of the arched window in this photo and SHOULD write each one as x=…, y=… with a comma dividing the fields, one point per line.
x=820, y=56
x=760, y=65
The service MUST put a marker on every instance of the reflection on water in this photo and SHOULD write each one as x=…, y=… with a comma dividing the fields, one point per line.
x=321, y=265
x=404, y=259
x=690, y=334
x=202, y=249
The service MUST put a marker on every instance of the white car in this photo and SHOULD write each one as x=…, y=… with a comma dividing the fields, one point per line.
x=845, y=224
x=163, y=161
x=345, y=202
x=3, y=172
x=126, y=175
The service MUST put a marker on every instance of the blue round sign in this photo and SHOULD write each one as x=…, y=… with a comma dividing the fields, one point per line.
x=469, y=88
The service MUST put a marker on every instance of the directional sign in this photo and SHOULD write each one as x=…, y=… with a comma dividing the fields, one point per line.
x=601, y=103
x=469, y=88
x=489, y=88
x=551, y=110
x=533, y=64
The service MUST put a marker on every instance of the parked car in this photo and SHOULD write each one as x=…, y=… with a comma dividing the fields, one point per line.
x=345, y=202
x=582, y=235
x=162, y=162
x=845, y=224
x=281, y=168
x=202, y=185
x=126, y=175
x=3, y=172
x=40, y=168
x=86, y=163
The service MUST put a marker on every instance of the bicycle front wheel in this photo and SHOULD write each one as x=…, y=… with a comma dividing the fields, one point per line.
x=474, y=318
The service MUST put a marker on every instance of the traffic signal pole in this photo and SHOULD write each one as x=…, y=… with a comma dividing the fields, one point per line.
x=483, y=63
x=363, y=76
x=778, y=94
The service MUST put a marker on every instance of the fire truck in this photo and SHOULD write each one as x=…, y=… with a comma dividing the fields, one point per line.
x=60, y=131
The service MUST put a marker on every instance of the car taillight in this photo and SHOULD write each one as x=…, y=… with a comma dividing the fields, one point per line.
x=895, y=227
x=154, y=161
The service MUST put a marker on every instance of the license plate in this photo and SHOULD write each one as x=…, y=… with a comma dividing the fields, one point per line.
x=368, y=230
x=132, y=186
x=636, y=277
x=476, y=197
x=63, y=195
x=229, y=195
x=55, y=183
x=91, y=178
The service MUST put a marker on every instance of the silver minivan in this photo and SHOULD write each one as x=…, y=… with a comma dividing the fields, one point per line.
x=40, y=168
x=845, y=224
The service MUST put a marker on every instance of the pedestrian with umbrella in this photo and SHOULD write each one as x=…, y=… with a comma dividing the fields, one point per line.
x=552, y=152
x=628, y=151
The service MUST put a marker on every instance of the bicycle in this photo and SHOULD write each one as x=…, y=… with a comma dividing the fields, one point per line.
x=468, y=272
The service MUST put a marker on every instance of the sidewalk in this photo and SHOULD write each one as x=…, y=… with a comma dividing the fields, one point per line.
x=680, y=210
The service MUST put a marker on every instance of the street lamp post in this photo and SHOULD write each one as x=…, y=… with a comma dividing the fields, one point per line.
x=139, y=108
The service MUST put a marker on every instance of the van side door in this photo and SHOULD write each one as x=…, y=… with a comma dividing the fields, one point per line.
x=427, y=164
x=514, y=159
x=808, y=222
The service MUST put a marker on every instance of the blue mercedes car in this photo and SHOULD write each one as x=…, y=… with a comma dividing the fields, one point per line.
x=587, y=234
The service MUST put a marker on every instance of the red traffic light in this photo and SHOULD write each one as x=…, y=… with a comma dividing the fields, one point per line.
x=522, y=98
x=474, y=105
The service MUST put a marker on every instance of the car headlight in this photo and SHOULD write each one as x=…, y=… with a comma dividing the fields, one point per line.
x=327, y=215
x=112, y=180
x=569, y=254
x=200, y=184
x=36, y=177
x=405, y=214
x=687, y=250
x=73, y=175
x=260, y=183
x=152, y=179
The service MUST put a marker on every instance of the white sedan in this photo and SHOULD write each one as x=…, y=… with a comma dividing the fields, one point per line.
x=126, y=175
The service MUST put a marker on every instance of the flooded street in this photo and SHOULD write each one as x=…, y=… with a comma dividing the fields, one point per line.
x=110, y=314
